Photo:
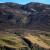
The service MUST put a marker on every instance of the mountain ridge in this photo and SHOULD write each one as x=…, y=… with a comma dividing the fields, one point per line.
x=31, y=16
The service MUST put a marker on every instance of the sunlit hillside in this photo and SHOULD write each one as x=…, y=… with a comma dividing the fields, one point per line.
x=24, y=27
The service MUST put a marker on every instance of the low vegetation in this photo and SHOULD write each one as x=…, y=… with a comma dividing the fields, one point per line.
x=10, y=40
x=27, y=41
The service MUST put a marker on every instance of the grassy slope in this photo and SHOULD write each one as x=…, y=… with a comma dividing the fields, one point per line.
x=14, y=41
x=37, y=40
x=11, y=40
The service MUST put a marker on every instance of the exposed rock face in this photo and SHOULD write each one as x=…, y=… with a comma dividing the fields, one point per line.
x=31, y=15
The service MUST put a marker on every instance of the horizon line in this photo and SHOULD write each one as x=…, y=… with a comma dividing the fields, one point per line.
x=25, y=3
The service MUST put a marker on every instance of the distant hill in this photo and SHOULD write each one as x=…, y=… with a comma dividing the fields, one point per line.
x=29, y=16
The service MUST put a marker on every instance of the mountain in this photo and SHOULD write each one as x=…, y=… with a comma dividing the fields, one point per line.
x=24, y=27
x=29, y=16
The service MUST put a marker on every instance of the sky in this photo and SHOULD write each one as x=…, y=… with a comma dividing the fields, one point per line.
x=26, y=1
